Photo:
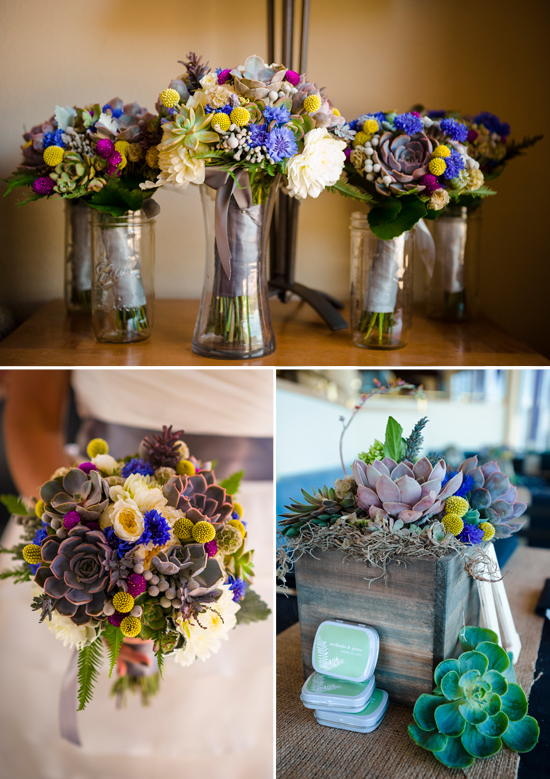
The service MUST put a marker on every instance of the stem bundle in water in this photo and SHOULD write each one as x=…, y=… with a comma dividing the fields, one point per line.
x=377, y=328
x=230, y=319
x=132, y=320
x=146, y=686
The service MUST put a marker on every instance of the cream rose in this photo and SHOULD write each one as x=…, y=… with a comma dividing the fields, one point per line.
x=319, y=165
x=65, y=630
x=439, y=199
x=127, y=520
x=209, y=81
x=105, y=463
x=475, y=179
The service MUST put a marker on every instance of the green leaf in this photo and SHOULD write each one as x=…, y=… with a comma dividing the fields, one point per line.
x=478, y=745
x=495, y=725
x=444, y=667
x=116, y=199
x=514, y=703
x=523, y=735
x=449, y=720
x=454, y=755
x=232, y=483
x=472, y=661
x=346, y=189
x=394, y=444
x=89, y=662
x=497, y=681
x=450, y=687
x=159, y=652
x=114, y=638
x=492, y=704
x=253, y=609
x=495, y=654
x=470, y=637
x=427, y=739
x=411, y=211
x=384, y=213
x=510, y=673
x=14, y=505
x=424, y=709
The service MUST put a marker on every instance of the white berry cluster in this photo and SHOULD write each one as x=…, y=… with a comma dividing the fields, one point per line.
x=77, y=142
x=237, y=141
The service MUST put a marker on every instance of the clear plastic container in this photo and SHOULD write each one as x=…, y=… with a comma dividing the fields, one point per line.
x=345, y=650
x=363, y=722
x=326, y=692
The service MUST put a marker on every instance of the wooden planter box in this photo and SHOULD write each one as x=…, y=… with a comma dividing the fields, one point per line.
x=417, y=610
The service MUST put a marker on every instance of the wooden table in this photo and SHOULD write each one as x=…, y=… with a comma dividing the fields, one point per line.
x=51, y=337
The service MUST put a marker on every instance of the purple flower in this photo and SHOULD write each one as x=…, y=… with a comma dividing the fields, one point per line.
x=116, y=618
x=87, y=467
x=136, y=465
x=457, y=131
x=71, y=519
x=455, y=163
x=136, y=584
x=112, y=170
x=281, y=144
x=43, y=185
x=258, y=135
x=238, y=587
x=93, y=525
x=105, y=148
x=471, y=535
x=431, y=183
x=223, y=76
x=292, y=77
x=409, y=123
x=280, y=115
x=211, y=548
x=436, y=114
x=347, y=153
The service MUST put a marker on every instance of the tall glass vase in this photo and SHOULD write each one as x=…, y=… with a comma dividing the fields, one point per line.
x=234, y=321
x=381, y=287
x=123, y=250
x=78, y=257
x=452, y=289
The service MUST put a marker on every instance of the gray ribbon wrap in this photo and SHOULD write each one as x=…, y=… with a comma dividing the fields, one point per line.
x=450, y=246
x=80, y=254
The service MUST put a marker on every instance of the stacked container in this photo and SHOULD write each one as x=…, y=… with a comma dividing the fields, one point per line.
x=342, y=690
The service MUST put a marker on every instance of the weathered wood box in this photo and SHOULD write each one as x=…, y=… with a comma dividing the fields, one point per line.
x=417, y=610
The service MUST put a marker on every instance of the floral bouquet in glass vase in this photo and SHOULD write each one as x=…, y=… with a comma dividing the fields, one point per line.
x=452, y=289
x=408, y=168
x=95, y=158
x=239, y=133
x=149, y=550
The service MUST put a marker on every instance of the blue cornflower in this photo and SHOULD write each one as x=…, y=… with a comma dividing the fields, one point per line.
x=107, y=107
x=471, y=535
x=409, y=123
x=466, y=486
x=455, y=163
x=278, y=114
x=117, y=112
x=238, y=587
x=258, y=135
x=492, y=123
x=436, y=114
x=35, y=566
x=457, y=131
x=156, y=530
x=53, y=139
x=40, y=534
x=136, y=465
x=120, y=547
x=281, y=143
x=226, y=109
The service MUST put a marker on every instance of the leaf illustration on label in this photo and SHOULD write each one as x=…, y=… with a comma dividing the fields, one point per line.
x=325, y=663
x=317, y=685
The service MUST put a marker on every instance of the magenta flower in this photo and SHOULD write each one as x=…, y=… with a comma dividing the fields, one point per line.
x=292, y=77
x=105, y=148
x=71, y=519
x=223, y=76
x=136, y=584
x=87, y=467
x=211, y=548
x=43, y=185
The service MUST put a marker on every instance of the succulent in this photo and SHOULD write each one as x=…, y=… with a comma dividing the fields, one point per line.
x=322, y=508
x=76, y=576
x=240, y=564
x=190, y=127
x=192, y=565
x=200, y=498
x=405, y=160
x=162, y=450
x=196, y=70
x=410, y=492
x=476, y=705
x=87, y=494
x=493, y=496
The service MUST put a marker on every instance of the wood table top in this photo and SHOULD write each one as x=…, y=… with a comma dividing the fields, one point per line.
x=52, y=337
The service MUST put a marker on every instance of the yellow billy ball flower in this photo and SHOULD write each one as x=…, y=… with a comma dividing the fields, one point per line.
x=122, y=147
x=441, y=151
x=123, y=601
x=185, y=468
x=39, y=509
x=53, y=155
x=488, y=530
x=238, y=508
x=183, y=529
x=437, y=166
x=453, y=524
x=130, y=626
x=222, y=120
x=240, y=116
x=32, y=554
x=456, y=505
x=371, y=126
x=203, y=532
x=336, y=112
x=169, y=98
x=123, y=162
x=239, y=525
x=97, y=446
x=361, y=138
x=312, y=103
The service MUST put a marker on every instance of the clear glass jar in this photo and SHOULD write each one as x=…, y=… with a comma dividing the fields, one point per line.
x=123, y=253
x=234, y=321
x=78, y=257
x=453, y=288
x=381, y=287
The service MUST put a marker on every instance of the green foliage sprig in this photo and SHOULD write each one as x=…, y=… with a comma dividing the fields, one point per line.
x=232, y=483
x=90, y=659
x=253, y=609
x=114, y=638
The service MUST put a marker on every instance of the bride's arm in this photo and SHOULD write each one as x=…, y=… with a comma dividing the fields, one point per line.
x=34, y=417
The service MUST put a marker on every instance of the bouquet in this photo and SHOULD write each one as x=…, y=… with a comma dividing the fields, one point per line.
x=150, y=547
x=241, y=131
x=96, y=156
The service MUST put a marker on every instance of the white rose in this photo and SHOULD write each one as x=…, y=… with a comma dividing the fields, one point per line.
x=179, y=168
x=318, y=166
x=147, y=499
x=198, y=98
x=127, y=520
x=105, y=463
x=65, y=630
x=210, y=80
x=439, y=199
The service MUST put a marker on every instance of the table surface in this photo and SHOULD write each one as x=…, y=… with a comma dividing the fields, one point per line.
x=51, y=337
x=306, y=750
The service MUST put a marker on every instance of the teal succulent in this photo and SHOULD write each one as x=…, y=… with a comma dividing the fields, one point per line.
x=476, y=706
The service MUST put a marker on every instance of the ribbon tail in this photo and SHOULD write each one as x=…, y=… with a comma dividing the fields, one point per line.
x=222, y=207
x=426, y=246
x=68, y=725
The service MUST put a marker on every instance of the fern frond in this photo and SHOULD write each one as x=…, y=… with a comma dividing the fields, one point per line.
x=19, y=574
x=481, y=192
x=29, y=199
x=159, y=653
x=350, y=190
x=19, y=179
x=114, y=638
x=89, y=662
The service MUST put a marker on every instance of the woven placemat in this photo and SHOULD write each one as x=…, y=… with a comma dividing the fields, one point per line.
x=306, y=750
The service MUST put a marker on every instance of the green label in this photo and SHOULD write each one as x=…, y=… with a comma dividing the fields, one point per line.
x=342, y=651
x=321, y=684
x=373, y=704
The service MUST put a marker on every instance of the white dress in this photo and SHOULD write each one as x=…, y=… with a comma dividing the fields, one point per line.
x=211, y=720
